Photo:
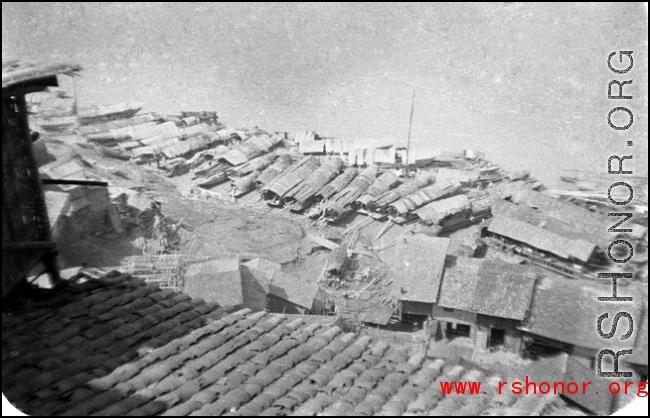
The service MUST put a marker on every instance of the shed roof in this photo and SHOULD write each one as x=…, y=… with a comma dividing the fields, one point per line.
x=417, y=275
x=20, y=72
x=541, y=238
x=215, y=281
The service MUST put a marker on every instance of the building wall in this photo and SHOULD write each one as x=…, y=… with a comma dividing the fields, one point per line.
x=279, y=305
x=416, y=308
x=481, y=327
x=513, y=336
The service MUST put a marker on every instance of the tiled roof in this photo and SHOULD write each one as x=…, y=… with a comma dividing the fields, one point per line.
x=458, y=287
x=590, y=223
x=419, y=269
x=488, y=287
x=540, y=219
x=293, y=289
x=116, y=346
x=54, y=346
x=504, y=290
x=541, y=238
x=377, y=314
x=566, y=310
x=215, y=281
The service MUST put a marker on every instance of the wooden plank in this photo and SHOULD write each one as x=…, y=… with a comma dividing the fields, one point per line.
x=323, y=242
x=75, y=182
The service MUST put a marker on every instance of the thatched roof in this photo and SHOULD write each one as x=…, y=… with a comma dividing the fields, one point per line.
x=541, y=239
x=245, y=184
x=357, y=186
x=437, y=190
x=189, y=146
x=419, y=270
x=409, y=187
x=251, y=148
x=338, y=184
x=435, y=212
x=328, y=170
x=20, y=72
x=385, y=182
x=292, y=177
x=257, y=164
x=274, y=170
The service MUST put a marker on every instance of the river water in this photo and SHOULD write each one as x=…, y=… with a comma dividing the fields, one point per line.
x=524, y=83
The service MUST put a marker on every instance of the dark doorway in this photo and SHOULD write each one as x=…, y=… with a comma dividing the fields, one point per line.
x=458, y=330
x=497, y=337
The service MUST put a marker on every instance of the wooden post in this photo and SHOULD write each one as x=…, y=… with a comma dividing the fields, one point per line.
x=408, y=141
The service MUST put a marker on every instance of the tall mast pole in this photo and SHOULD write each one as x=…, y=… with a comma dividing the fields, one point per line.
x=408, y=141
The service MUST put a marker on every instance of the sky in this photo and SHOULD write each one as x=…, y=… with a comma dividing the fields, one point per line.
x=524, y=83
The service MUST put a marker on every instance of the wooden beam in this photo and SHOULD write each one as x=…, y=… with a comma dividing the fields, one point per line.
x=75, y=182
x=28, y=245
